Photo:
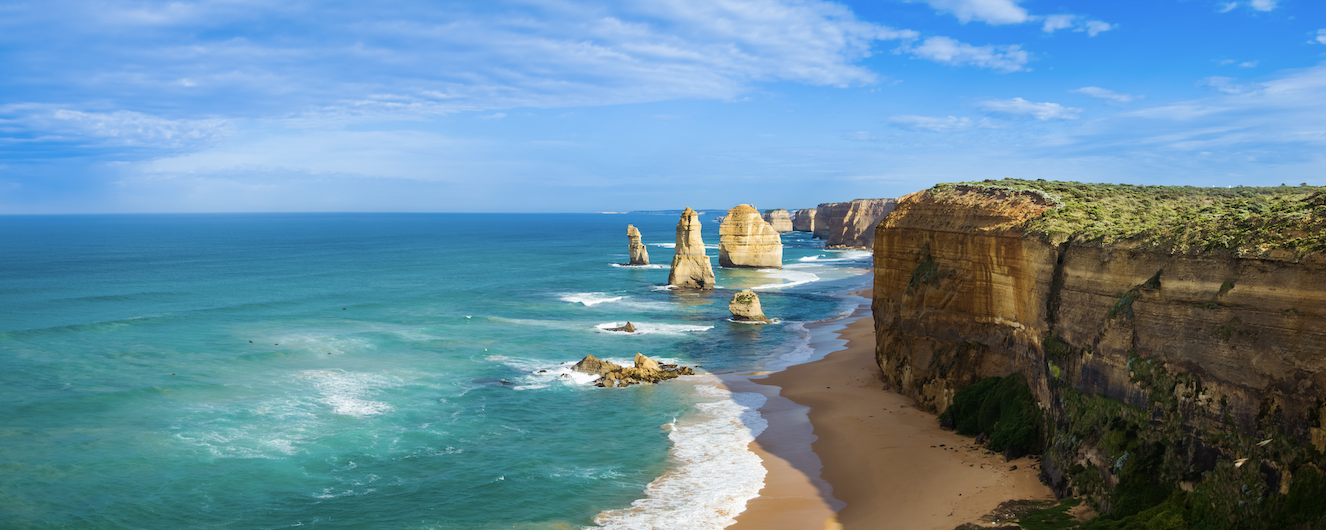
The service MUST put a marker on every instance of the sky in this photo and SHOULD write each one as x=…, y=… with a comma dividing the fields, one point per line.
x=120, y=106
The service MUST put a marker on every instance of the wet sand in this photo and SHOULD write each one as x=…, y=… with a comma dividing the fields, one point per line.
x=875, y=462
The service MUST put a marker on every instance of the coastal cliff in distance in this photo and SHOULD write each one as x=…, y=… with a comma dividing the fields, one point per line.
x=803, y=220
x=1167, y=336
x=690, y=265
x=779, y=219
x=746, y=240
x=851, y=224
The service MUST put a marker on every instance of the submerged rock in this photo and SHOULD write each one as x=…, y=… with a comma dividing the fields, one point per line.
x=745, y=307
x=690, y=265
x=628, y=328
x=746, y=240
x=639, y=255
x=646, y=370
x=779, y=219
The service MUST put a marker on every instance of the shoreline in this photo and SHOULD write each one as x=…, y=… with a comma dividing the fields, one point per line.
x=844, y=453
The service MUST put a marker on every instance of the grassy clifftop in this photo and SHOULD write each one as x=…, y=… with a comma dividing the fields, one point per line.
x=1242, y=220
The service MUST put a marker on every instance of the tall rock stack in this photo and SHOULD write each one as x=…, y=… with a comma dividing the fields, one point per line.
x=746, y=240
x=803, y=220
x=639, y=255
x=779, y=220
x=690, y=265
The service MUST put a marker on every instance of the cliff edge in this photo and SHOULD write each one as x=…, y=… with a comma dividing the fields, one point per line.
x=1164, y=333
x=851, y=224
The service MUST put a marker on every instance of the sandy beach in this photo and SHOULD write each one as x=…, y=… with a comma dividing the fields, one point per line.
x=875, y=462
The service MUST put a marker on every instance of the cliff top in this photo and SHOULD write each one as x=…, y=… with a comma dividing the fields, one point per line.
x=1242, y=220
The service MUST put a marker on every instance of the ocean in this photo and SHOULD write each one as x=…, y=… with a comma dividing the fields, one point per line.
x=396, y=371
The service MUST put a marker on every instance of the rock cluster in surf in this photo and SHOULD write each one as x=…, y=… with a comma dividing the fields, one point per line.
x=745, y=307
x=639, y=255
x=645, y=371
x=690, y=265
x=746, y=240
x=779, y=219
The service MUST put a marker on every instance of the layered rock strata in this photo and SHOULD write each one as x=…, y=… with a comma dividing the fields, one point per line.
x=779, y=219
x=745, y=307
x=803, y=220
x=747, y=241
x=851, y=224
x=645, y=371
x=1176, y=342
x=691, y=268
x=639, y=255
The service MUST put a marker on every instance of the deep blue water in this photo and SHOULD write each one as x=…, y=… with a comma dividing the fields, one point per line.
x=346, y=370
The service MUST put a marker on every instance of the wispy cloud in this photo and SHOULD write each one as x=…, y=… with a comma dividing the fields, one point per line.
x=988, y=11
x=1258, y=5
x=1321, y=36
x=119, y=128
x=1008, y=58
x=1228, y=85
x=1021, y=107
x=1101, y=93
x=936, y=123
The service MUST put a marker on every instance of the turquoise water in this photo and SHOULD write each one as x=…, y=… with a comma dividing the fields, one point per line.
x=377, y=371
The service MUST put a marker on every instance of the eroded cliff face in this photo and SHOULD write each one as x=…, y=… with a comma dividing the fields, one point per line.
x=803, y=220
x=1227, y=343
x=639, y=254
x=746, y=240
x=851, y=224
x=779, y=219
x=690, y=265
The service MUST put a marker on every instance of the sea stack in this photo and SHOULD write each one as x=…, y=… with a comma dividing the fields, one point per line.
x=803, y=220
x=746, y=240
x=779, y=219
x=639, y=256
x=690, y=265
x=745, y=307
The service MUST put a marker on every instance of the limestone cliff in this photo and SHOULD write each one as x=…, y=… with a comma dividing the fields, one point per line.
x=803, y=220
x=779, y=219
x=745, y=307
x=639, y=254
x=1184, y=329
x=746, y=240
x=690, y=265
x=851, y=224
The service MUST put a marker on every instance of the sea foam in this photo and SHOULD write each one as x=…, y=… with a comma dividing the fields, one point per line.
x=716, y=472
x=590, y=299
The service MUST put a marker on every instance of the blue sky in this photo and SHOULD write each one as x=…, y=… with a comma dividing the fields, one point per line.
x=579, y=106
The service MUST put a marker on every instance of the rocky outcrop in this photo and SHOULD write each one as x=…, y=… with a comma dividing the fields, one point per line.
x=628, y=328
x=803, y=220
x=779, y=219
x=747, y=241
x=1160, y=342
x=690, y=265
x=639, y=255
x=646, y=370
x=745, y=307
x=851, y=224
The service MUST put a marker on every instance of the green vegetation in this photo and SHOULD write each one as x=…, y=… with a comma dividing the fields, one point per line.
x=926, y=272
x=1052, y=518
x=1001, y=407
x=1175, y=218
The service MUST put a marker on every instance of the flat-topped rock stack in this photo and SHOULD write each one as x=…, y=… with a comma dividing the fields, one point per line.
x=745, y=307
x=747, y=241
x=803, y=220
x=690, y=265
x=779, y=219
x=645, y=371
x=639, y=255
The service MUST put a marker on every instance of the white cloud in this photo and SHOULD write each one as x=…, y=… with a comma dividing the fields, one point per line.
x=1095, y=27
x=1101, y=93
x=1321, y=36
x=1227, y=7
x=1054, y=22
x=1249, y=64
x=1009, y=58
x=493, y=116
x=1227, y=85
x=1021, y=107
x=1259, y=5
x=1263, y=5
x=120, y=128
x=988, y=11
x=931, y=123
